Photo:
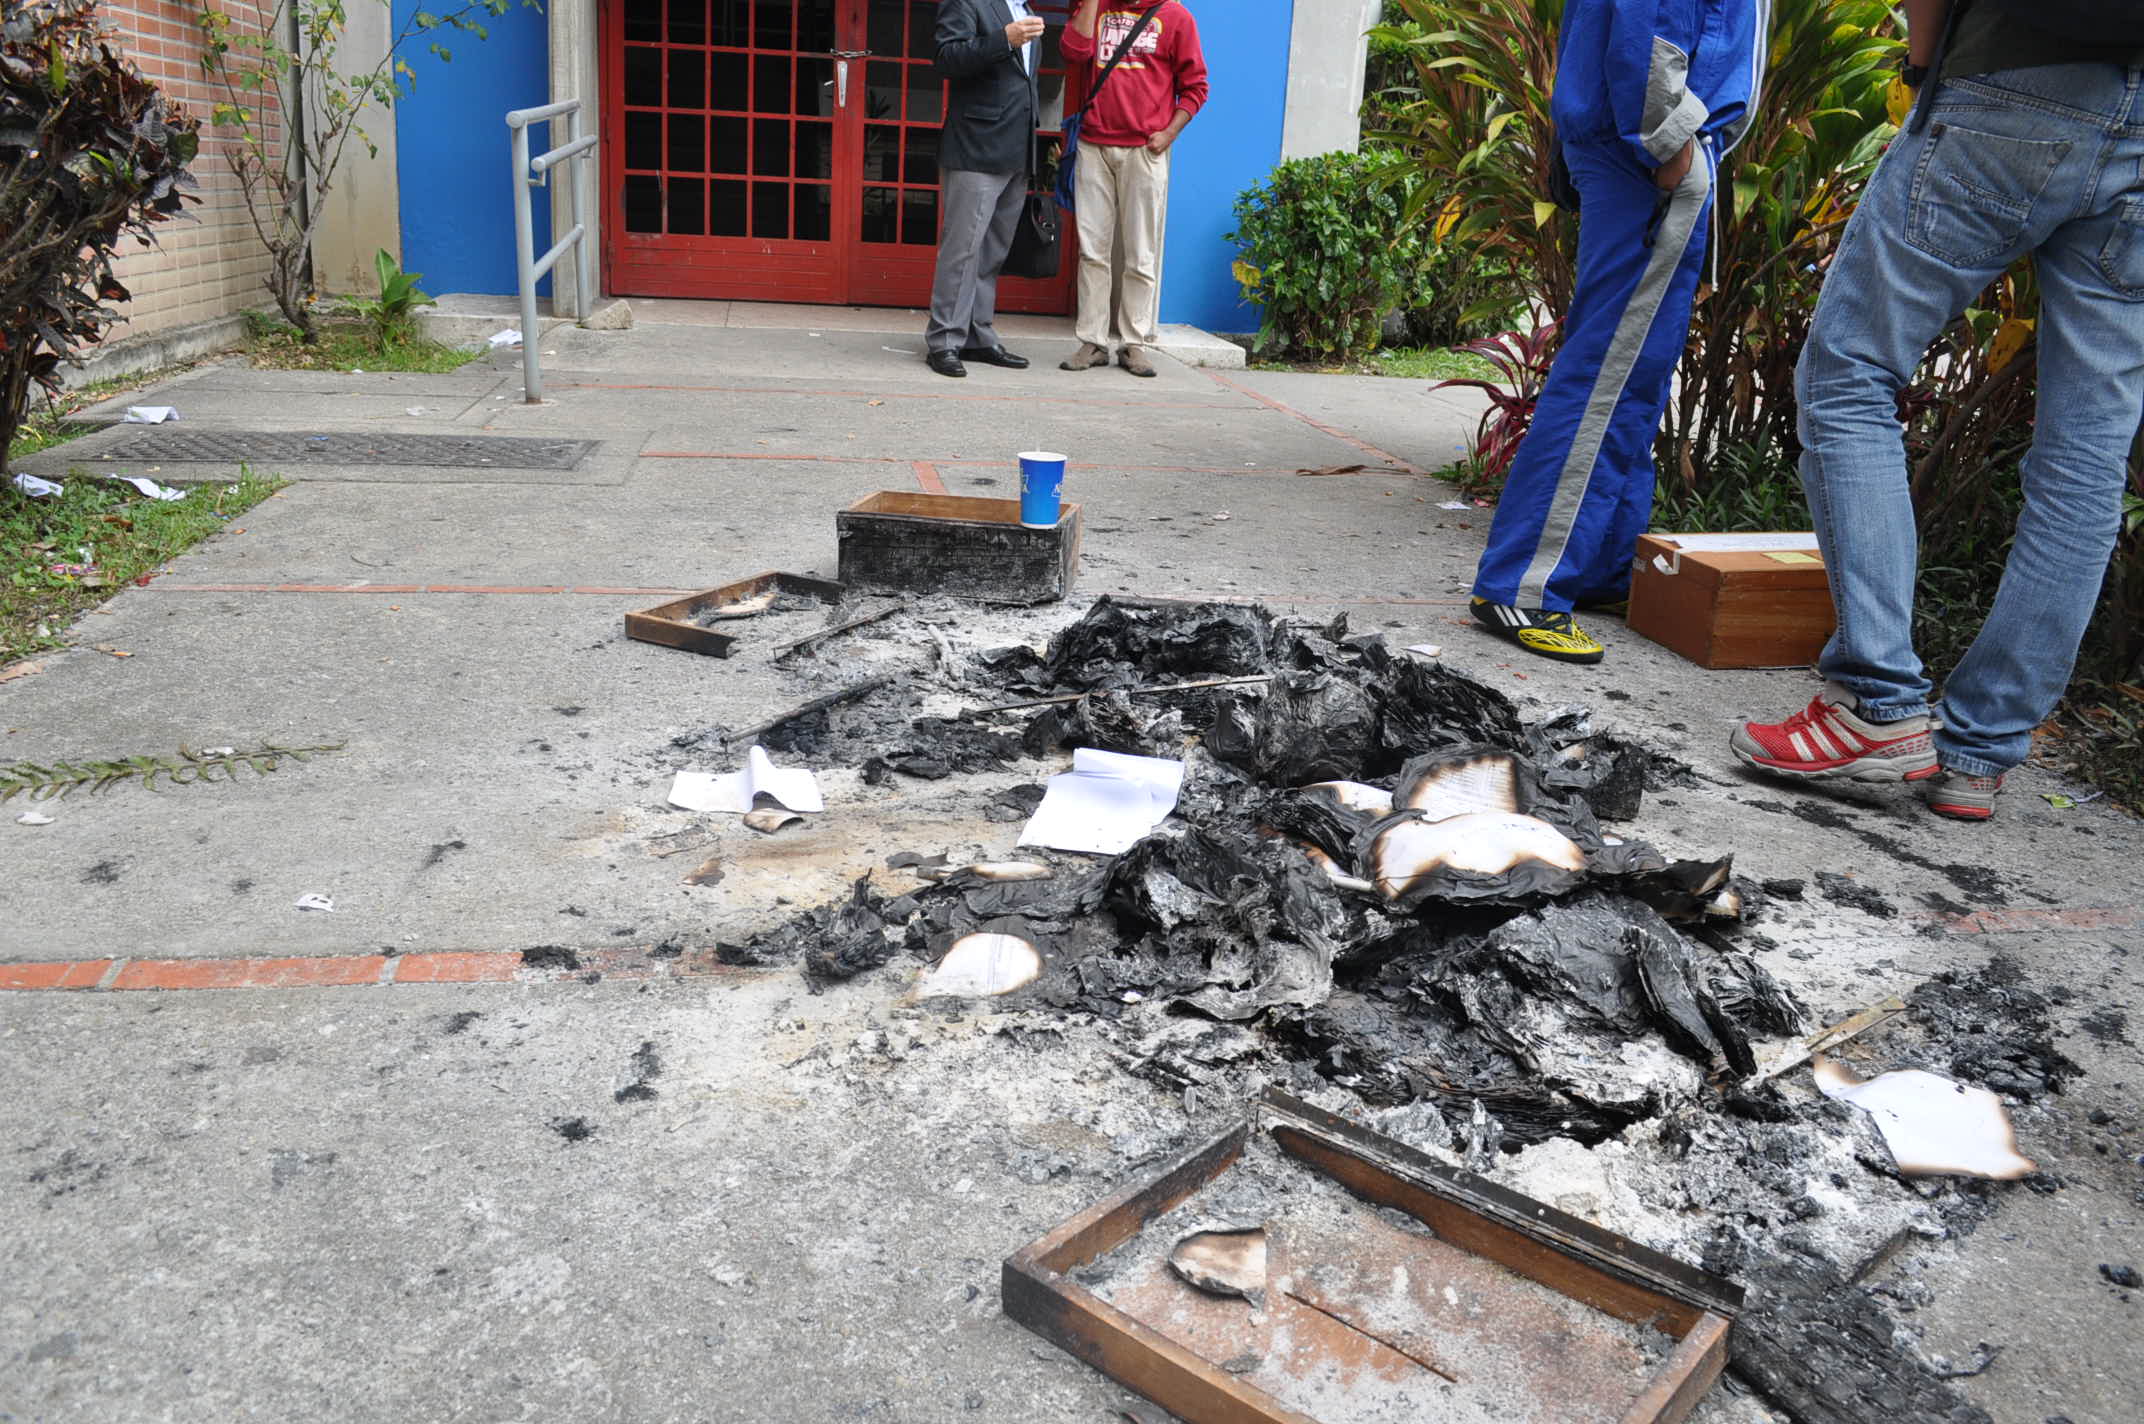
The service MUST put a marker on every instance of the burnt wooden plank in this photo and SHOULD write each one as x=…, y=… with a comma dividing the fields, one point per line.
x=1685, y=1376
x=671, y=624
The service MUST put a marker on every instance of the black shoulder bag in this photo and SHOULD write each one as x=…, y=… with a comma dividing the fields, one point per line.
x=1037, y=243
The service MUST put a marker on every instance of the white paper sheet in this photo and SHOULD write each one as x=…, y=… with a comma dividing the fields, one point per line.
x=1933, y=1126
x=1105, y=803
x=792, y=788
x=1740, y=543
x=36, y=488
x=151, y=488
x=149, y=414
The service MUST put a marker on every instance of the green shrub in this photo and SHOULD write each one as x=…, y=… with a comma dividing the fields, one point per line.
x=1326, y=253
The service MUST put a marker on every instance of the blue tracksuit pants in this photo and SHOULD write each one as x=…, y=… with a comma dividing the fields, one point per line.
x=1580, y=489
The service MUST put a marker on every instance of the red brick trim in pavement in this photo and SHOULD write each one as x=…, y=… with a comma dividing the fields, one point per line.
x=353, y=971
x=585, y=590
x=636, y=964
x=2081, y=921
x=927, y=478
x=916, y=395
x=1318, y=425
x=799, y=458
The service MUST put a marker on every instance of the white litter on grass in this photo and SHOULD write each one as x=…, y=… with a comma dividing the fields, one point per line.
x=316, y=902
x=1933, y=1126
x=149, y=414
x=738, y=792
x=151, y=488
x=508, y=337
x=219, y=751
x=36, y=488
x=1106, y=803
x=33, y=818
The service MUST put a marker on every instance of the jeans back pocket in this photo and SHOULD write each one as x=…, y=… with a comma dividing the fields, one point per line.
x=1973, y=193
x=2121, y=256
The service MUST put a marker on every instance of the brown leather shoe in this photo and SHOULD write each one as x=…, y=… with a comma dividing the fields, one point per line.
x=1088, y=356
x=1134, y=360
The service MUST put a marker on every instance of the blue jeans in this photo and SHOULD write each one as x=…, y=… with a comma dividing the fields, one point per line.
x=2044, y=161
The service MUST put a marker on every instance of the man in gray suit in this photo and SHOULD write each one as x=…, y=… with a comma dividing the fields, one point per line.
x=988, y=50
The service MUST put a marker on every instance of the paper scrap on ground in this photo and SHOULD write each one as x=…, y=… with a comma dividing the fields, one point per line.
x=33, y=818
x=36, y=488
x=1427, y=650
x=150, y=414
x=1932, y=1125
x=508, y=337
x=1455, y=504
x=1105, y=803
x=738, y=792
x=151, y=488
x=316, y=902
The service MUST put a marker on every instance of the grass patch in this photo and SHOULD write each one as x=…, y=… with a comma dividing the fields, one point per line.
x=63, y=555
x=279, y=348
x=1413, y=363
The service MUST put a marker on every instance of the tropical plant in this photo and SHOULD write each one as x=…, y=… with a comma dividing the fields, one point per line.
x=285, y=169
x=1470, y=119
x=392, y=315
x=91, y=152
x=1522, y=361
x=1326, y=253
x=1783, y=200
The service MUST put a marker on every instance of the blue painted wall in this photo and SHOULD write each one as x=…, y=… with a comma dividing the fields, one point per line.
x=1233, y=143
x=452, y=159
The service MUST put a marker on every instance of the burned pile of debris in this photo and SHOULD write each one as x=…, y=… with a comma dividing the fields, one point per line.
x=1380, y=881
x=1375, y=862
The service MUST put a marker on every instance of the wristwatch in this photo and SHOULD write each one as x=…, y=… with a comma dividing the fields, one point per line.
x=1915, y=75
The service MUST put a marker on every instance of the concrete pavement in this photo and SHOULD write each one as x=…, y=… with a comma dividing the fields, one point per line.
x=314, y=1195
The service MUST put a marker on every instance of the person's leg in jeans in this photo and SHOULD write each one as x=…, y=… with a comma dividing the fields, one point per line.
x=2091, y=395
x=1989, y=177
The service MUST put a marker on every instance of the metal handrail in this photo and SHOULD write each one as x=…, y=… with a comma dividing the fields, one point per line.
x=535, y=173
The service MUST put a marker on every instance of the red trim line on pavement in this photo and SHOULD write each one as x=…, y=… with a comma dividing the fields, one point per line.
x=1000, y=464
x=1318, y=425
x=352, y=971
x=927, y=477
x=634, y=963
x=585, y=590
x=911, y=395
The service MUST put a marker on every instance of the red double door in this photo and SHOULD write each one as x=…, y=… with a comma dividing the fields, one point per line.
x=785, y=150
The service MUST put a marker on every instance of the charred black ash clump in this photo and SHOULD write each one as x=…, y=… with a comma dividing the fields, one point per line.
x=1997, y=1032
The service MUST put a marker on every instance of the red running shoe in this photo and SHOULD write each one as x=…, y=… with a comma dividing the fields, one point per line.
x=1827, y=741
x=1961, y=795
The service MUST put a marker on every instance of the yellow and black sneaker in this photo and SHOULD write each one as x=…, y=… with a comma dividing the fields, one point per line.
x=1540, y=631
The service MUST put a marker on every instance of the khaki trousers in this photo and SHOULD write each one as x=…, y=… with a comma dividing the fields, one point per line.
x=1122, y=194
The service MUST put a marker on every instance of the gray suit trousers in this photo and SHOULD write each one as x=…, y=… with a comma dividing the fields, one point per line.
x=978, y=214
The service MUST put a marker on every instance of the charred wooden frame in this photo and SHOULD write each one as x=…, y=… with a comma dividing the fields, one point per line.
x=1572, y=1257
x=671, y=624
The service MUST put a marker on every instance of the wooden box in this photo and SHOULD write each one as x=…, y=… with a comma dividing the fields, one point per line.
x=691, y=623
x=1732, y=600
x=1206, y=1374
x=899, y=542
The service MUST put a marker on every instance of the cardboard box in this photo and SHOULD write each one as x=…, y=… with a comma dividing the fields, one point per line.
x=1733, y=600
x=897, y=541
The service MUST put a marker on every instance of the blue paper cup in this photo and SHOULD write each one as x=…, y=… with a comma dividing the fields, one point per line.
x=1042, y=481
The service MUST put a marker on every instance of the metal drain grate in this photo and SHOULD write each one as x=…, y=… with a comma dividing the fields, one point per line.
x=274, y=447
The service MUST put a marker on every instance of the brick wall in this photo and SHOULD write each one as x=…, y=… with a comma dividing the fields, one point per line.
x=208, y=264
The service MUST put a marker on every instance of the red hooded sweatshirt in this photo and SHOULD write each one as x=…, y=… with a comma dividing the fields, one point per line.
x=1165, y=71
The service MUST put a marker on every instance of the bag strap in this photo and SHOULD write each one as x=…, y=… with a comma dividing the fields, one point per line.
x=1117, y=59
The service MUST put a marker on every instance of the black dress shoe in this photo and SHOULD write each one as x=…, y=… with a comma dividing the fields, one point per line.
x=994, y=356
x=945, y=363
